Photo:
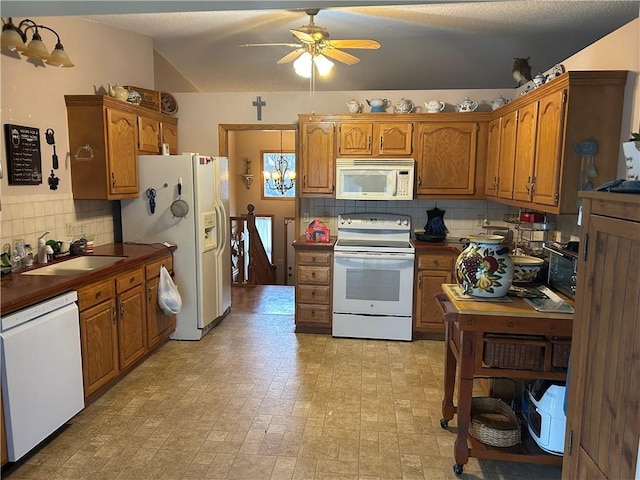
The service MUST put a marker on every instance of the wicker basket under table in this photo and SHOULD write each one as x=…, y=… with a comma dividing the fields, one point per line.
x=493, y=422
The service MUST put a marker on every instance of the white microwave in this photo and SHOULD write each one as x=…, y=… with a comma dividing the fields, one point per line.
x=374, y=178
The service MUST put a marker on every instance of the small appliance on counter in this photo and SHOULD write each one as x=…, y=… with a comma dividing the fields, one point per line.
x=545, y=414
x=563, y=267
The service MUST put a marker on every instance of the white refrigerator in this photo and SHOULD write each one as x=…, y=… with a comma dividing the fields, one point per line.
x=202, y=261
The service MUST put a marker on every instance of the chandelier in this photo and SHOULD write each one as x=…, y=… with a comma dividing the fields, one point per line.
x=281, y=178
x=14, y=38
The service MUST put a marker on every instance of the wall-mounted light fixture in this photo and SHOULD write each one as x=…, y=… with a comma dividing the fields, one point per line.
x=14, y=38
x=247, y=177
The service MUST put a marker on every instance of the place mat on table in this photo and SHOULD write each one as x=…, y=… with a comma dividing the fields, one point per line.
x=458, y=295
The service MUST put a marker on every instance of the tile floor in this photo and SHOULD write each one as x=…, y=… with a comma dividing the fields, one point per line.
x=253, y=401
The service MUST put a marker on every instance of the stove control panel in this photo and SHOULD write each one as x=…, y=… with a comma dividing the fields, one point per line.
x=375, y=221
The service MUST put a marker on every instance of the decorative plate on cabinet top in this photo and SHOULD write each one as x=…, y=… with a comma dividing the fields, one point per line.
x=168, y=103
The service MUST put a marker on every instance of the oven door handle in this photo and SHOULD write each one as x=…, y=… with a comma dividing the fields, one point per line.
x=375, y=255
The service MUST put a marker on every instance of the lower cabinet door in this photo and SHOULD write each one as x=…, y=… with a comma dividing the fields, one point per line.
x=99, y=335
x=132, y=326
x=428, y=316
x=159, y=324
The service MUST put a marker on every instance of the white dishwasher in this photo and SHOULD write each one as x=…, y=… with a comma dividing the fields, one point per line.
x=41, y=371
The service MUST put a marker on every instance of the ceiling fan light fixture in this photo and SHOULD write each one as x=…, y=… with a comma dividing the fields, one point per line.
x=323, y=64
x=303, y=64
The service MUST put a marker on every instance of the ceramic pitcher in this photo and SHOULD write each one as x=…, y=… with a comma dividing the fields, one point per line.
x=484, y=268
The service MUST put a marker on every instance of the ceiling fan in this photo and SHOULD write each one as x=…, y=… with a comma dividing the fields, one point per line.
x=315, y=43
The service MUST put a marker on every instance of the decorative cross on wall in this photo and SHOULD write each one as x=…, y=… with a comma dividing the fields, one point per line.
x=258, y=103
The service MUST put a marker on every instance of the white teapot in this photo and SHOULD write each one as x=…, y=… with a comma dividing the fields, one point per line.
x=118, y=92
x=403, y=106
x=434, y=106
x=354, y=106
x=499, y=102
x=466, y=105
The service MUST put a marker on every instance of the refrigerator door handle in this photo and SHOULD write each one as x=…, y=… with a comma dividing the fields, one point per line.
x=222, y=227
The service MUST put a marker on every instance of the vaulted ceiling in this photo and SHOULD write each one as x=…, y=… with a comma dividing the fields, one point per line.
x=424, y=45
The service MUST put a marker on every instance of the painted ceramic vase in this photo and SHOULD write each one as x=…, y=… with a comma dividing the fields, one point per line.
x=484, y=268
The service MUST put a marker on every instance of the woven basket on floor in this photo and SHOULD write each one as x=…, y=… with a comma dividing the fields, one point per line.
x=493, y=422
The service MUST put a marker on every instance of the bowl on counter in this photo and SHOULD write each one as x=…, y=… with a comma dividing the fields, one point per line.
x=423, y=236
x=526, y=268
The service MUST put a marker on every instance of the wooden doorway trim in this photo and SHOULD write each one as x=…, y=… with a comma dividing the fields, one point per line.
x=225, y=128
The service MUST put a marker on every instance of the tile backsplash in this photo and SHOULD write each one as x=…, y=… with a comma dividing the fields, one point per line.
x=28, y=217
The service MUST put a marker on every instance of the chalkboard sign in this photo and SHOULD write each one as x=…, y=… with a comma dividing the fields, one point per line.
x=23, y=154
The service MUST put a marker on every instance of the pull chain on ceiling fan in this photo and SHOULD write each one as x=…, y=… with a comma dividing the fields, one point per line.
x=315, y=46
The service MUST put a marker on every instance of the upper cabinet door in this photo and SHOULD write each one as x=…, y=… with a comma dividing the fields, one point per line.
x=317, y=163
x=493, y=158
x=508, y=140
x=355, y=139
x=525, y=152
x=395, y=139
x=551, y=114
x=148, y=135
x=447, y=159
x=122, y=152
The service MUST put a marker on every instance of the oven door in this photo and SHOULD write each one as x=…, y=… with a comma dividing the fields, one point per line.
x=372, y=283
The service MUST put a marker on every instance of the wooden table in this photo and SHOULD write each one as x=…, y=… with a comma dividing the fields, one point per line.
x=467, y=323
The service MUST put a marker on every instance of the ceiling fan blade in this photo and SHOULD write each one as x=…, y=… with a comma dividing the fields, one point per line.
x=341, y=56
x=361, y=43
x=292, y=45
x=291, y=56
x=302, y=36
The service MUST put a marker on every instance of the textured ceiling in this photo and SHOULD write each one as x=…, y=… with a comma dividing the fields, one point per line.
x=429, y=45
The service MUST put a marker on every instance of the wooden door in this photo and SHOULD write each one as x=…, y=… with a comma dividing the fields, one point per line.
x=549, y=143
x=428, y=314
x=394, y=139
x=508, y=139
x=159, y=324
x=122, y=153
x=525, y=152
x=169, y=134
x=148, y=135
x=99, y=335
x=355, y=138
x=603, y=421
x=447, y=160
x=317, y=162
x=132, y=326
x=493, y=158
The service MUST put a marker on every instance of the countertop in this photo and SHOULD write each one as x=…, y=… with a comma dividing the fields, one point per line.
x=19, y=291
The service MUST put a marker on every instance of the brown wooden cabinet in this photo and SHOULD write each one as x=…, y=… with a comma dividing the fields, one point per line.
x=105, y=138
x=159, y=324
x=446, y=162
x=549, y=120
x=375, y=139
x=501, y=156
x=317, y=166
x=98, y=334
x=121, y=322
x=313, y=290
x=169, y=134
x=132, y=325
x=434, y=266
x=603, y=419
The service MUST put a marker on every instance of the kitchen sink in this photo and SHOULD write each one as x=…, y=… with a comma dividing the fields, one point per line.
x=75, y=266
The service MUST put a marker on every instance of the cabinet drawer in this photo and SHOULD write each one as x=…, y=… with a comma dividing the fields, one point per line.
x=313, y=294
x=436, y=261
x=313, y=275
x=315, y=258
x=95, y=294
x=129, y=279
x=153, y=269
x=313, y=313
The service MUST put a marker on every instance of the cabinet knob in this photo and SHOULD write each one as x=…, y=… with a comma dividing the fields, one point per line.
x=98, y=294
x=132, y=279
x=313, y=274
x=113, y=179
x=435, y=262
